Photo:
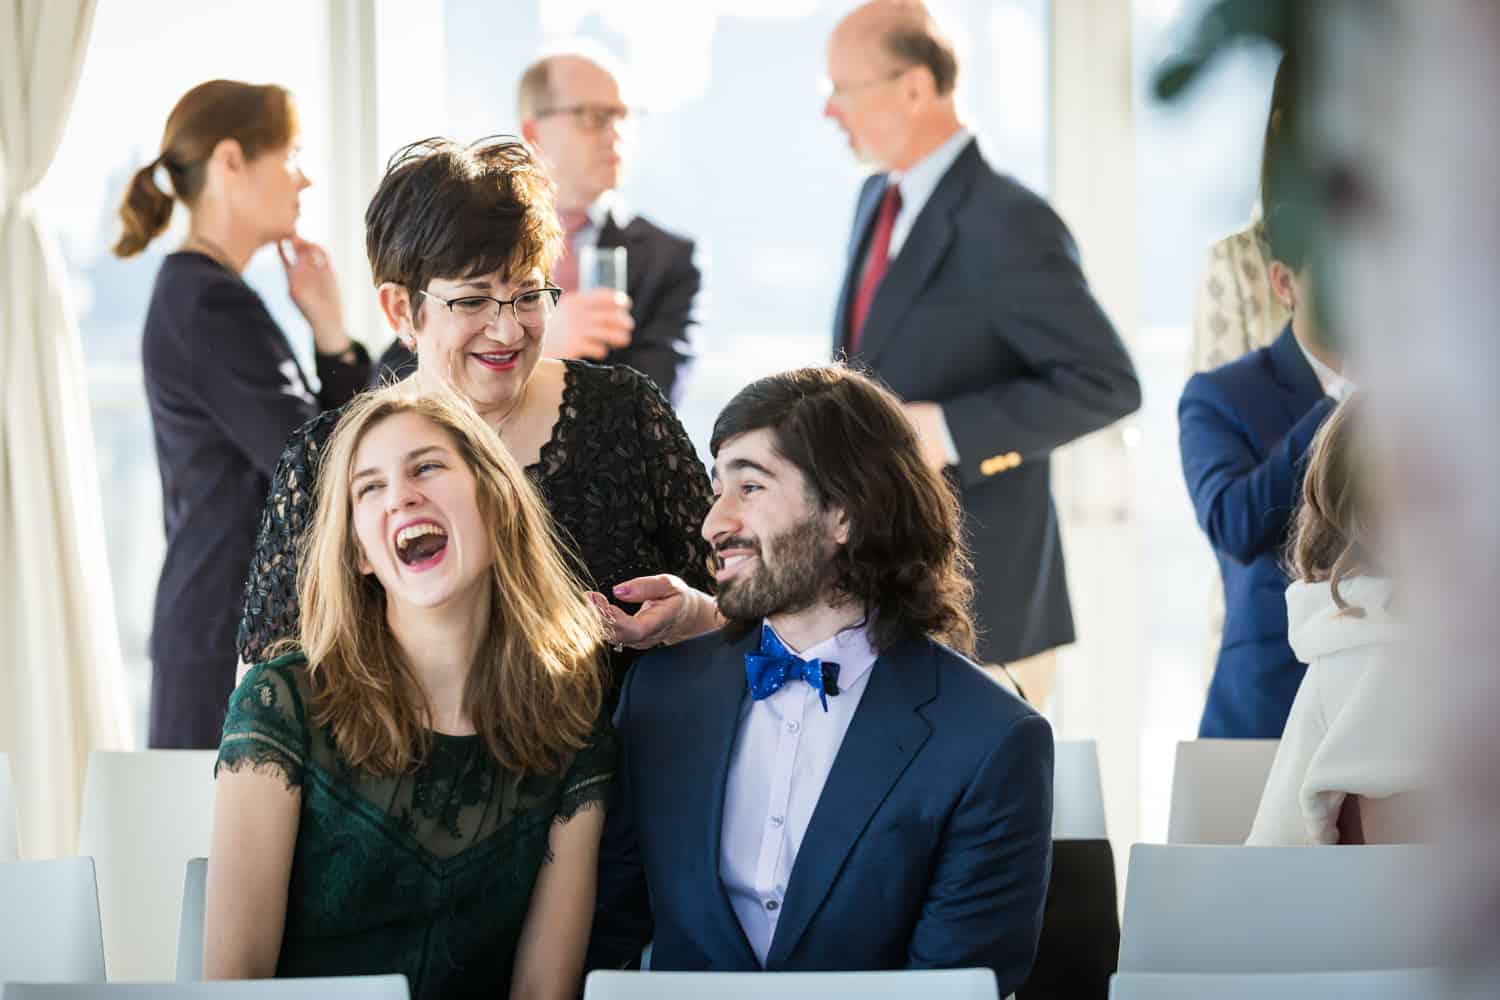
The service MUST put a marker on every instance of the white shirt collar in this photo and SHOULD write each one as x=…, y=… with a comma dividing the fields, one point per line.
x=1335, y=385
x=609, y=205
x=850, y=649
x=918, y=183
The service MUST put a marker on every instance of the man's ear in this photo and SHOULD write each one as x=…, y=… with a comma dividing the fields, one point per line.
x=528, y=132
x=396, y=306
x=1283, y=283
x=839, y=518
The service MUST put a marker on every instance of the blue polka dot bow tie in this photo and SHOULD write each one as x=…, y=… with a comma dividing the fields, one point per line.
x=773, y=665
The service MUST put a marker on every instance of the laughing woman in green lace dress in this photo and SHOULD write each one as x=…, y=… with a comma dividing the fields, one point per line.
x=406, y=789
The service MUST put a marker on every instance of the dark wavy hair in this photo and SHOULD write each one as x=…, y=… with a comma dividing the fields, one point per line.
x=905, y=558
x=446, y=210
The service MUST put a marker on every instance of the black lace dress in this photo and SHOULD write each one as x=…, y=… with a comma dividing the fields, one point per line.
x=619, y=475
x=428, y=873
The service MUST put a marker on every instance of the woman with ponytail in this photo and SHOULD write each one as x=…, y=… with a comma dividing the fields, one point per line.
x=224, y=388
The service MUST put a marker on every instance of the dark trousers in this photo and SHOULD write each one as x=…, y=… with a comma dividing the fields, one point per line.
x=1080, y=945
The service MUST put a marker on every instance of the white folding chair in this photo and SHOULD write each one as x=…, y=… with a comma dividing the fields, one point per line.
x=1195, y=908
x=144, y=815
x=1383, y=984
x=49, y=922
x=1077, y=792
x=332, y=988
x=190, y=926
x=1216, y=788
x=944, y=984
x=10, y=841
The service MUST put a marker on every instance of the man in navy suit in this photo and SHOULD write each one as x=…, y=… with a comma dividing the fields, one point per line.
x=571, y=109
x=1244, y=431
x=824, y=784
x=963, y=293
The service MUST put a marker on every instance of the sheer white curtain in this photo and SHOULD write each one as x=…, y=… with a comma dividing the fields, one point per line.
x=61, y=693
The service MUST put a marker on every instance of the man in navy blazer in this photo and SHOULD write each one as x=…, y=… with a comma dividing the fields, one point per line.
x=963, y=293
x=824, y=784
x=1244, y=430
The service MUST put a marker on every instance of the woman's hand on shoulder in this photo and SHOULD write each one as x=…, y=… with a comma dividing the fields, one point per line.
x=314, y=288
x=670, y=612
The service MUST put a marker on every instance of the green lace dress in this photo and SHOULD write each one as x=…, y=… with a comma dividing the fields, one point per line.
x=428, y=874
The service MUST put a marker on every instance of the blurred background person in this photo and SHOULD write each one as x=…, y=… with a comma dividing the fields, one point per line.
x=963, y=293
x=1237, y=311
x=572, y=112
x=442, y=703
x=1244, y=432
x=1354, y=756
x=460, y=240
x=224, y=388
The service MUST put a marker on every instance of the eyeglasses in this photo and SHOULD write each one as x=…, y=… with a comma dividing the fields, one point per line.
x=531, y=309
x=843, y=91
x=594, y=117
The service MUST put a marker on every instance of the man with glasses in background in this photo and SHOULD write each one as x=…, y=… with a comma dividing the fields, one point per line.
x=963, y=293
x=571, y=111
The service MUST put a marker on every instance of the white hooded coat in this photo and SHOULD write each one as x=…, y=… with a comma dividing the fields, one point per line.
x=1351, y=728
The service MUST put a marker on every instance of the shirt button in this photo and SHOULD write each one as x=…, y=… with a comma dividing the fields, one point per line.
x=772, y=905
x=777, y=820
x=792, y=726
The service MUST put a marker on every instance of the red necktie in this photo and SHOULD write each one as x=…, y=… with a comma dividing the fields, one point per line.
x=875, y=263
x=565, y=271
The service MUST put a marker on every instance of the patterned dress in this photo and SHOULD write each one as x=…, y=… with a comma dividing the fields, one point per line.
x=428, y=874
x=620, y=476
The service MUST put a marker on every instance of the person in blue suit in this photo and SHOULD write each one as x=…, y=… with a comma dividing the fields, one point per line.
x=1244, y=430
x=827, y=783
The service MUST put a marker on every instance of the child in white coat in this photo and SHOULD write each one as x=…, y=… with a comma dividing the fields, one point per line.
x=1350, y=768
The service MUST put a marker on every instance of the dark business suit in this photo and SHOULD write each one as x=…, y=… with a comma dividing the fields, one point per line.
x=663, y=283
x=984, y=310
x=929, y=847
x=1244, y=430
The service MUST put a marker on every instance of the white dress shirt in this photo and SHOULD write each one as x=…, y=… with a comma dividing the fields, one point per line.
x=783, y=751
x=1335, y=385
x=917, y=186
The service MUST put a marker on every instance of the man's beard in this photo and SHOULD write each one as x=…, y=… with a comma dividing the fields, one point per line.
x=793, y=574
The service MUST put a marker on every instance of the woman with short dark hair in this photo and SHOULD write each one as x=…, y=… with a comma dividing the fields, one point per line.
x=461, y=241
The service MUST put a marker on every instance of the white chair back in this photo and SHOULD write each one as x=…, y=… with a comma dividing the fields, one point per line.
x=333, y=988
x=1077, y=792
x=190, y=926
x=144, y=815
x=944, y=984
x=1383, y=984
x=1279, y=909
x=49, y=922
x=1216, y=788
x=10, y=841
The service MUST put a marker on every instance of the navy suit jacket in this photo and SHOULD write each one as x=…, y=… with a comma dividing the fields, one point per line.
x=665, y=289
x=986, y=312
x=1244, y=430
x=929, y=847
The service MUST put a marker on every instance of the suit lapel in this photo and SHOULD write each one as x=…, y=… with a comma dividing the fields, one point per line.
x=923, y=251
x=716, y=701
x=864, y=218
x=1296, y=375
x=884, y=736
x=637, y=252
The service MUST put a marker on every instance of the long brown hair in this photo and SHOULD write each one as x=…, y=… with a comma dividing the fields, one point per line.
x=259, y=117
x=536, y=686
x=905, y=558
x=1330, y=540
